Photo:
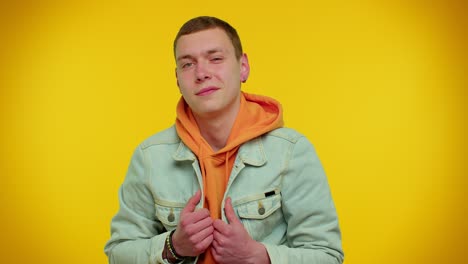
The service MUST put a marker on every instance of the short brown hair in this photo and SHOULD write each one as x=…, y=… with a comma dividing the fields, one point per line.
x=206, y=22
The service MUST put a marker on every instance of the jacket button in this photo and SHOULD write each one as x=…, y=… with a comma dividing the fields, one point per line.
x=261, y=210
x=171, y=217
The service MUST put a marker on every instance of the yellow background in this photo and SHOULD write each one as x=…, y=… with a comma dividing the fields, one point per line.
x=379, y=87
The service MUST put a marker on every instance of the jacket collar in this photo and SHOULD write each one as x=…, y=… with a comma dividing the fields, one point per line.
x=183, y=153
x=252, y=153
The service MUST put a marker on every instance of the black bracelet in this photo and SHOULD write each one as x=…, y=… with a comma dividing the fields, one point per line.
x=171, y=248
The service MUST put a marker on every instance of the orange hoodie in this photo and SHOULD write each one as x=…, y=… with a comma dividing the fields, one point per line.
x=257, y=116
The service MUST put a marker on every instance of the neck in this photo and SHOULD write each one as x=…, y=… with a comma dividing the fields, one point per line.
x=216, y=129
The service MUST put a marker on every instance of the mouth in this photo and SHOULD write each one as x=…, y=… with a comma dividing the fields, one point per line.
x=207, y=91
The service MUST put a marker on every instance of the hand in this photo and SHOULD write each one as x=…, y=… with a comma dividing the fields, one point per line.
x=194, y=232
x=232, y=244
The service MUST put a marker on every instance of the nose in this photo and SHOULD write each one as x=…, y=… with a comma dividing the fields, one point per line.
x=202, y=72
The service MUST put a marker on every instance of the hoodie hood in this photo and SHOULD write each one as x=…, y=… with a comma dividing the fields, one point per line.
x=257, y=116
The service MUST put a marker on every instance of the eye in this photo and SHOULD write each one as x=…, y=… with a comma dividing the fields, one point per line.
x=187, y=65
x=217, y=59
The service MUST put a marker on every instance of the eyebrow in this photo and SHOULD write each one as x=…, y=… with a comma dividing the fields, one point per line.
x=208, y=52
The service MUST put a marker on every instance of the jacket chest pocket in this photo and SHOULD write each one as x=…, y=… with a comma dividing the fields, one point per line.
x=168, y=213
x=260, y=216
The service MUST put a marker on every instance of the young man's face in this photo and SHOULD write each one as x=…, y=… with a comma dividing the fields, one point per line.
x=208, y=72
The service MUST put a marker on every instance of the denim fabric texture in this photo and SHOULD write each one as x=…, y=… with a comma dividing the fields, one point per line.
x=277, y=185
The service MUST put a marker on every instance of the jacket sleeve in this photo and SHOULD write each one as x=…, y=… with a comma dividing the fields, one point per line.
x=313, y=235
x=136, y=235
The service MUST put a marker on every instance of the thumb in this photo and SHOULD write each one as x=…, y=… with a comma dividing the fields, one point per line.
x=192, y=203
x=229, y=211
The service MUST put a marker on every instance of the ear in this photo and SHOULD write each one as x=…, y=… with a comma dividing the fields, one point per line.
x=245, y=68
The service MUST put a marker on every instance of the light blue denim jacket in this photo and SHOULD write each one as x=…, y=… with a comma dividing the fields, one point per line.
x=278, y=189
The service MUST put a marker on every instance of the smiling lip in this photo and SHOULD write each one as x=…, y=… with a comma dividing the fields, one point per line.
x=207, y=91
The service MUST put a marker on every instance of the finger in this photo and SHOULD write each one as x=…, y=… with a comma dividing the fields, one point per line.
x=215, y=254
x=216, y=246
x=202, y=234
x=220, y=226
x=229, y=211
x=199, y=226
x=199, y=215
x=204, y=244
x=192, y=203
x=219, y=238
x=192, y=223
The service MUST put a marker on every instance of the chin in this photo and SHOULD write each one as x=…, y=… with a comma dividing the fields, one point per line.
x=209, y=111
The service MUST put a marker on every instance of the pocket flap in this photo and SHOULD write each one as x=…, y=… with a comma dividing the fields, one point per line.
x=259, y=208
x=168, y=215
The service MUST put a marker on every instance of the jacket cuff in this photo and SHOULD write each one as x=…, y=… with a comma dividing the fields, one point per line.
x=273, y=253
x=157, y=247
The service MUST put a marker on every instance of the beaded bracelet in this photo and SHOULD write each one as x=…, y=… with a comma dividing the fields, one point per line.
x=171, y=248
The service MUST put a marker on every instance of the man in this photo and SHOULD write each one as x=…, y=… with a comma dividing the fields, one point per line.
x=227, y=183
